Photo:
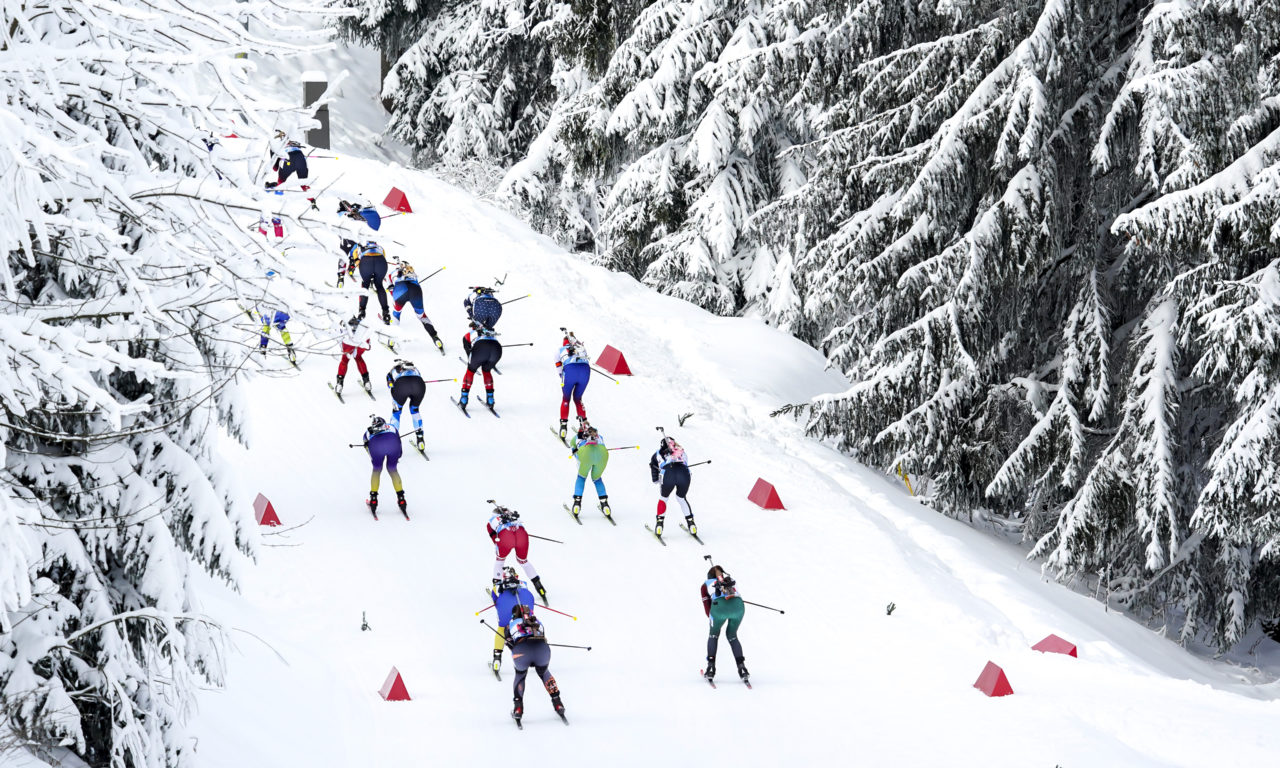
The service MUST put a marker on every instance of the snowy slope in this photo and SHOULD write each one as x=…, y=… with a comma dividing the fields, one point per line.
x=835, y=677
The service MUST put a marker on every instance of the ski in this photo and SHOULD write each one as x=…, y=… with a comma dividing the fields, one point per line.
x=369, y=392
x=496, y=673
x=747, y=682
x=569, y=509
x=439, y=345
x=336, y=392
x=609, y=516
x=423, y=451
x=656, y=535
x=518, y=725
x=563, y=441
x=710, y=682
x=564, y=719
x=684, y=528
x=460, y=407
x=491, y=410
x=372, y=511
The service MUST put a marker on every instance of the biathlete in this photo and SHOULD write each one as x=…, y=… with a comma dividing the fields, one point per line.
x=407, y=386
x=276, y=319
x=483, y=351
x=483, y=307
x=575, y=373
x=669, y=470
x=355, y=340
x=593, y=457
x=382, y=441
x=723, y=604
x=529, y=648
x=507, y=594
x=290, y=158
x=371, y=260
x=507, y=533
x=406, y=290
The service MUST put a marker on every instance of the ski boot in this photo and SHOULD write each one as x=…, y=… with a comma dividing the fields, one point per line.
x=400, y=502
x=564, y=429
x=537, y=587
x=577, y=505
x=657, y=527
x=293, y=357
x=517, y=710
x=271, y=184
x=340, y=276
x=439, y=344
x=337, y=386
x=262, y=350
x=688, y=521
x=386, y=317
x=710, y=671
x=604, y=506
x=497, y=659
x=488, y=398
x=742, y=668
x=462, y=400
x=559, y=705
x=422, y=445
x=373, y=501
x=364, y=382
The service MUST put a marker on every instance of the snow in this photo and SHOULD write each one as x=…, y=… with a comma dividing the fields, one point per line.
x=835, y=677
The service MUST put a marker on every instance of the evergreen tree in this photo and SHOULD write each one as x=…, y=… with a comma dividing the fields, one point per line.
x=121, y=271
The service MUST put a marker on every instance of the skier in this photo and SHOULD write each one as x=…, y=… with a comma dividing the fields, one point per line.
x=290, y=158
x=355, y=340
x=669, y=470
x=371, y=259
x=722, y=603
x=406, y=385
x=382, y=441
x=508, y=533
x=277, y=318
x=593, y=457
x=406, y=290
x=506, y=595
x=484, y=351
x=361, y=211
x=482, y=307
x=575, y=373
x=529, y=648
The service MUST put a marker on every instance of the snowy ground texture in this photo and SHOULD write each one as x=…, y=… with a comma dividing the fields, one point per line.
x=835, y=678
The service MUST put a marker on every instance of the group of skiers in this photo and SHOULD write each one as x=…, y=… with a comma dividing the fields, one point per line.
x=515, y=605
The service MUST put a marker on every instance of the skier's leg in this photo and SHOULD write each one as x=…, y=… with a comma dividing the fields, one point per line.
x=682, y=487
x=520, y=675
x=580, y=387
x=600, y=489
x=713, y=637
x=347, y=351
x=506, y=542
x=579, y=485
x=393, y=465
x=360, y=364
x=521, y=537
x=566, y=390
x=416, y=393
x=396, y=405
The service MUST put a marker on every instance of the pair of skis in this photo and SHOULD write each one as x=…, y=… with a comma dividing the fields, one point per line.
x=663, y=541
x=521, y=725
x=578, y=520
x=460, y=407
x=335, y=391
x=404, y=510
x=746, y=680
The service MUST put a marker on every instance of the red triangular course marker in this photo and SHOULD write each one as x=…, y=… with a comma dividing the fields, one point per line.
x=265, y=513
x=396, y=201
x=612, y=361
x=1055, y=644
x=765, y=495
x=393, y=689
x=993, y=682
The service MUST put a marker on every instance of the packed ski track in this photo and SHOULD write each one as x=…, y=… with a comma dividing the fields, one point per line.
x=836, y=677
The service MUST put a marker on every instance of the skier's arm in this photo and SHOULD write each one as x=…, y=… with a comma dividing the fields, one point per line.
x=653, y=468
x=390, y=380
x=706, y=601
x=466, y=343
x=492, y=533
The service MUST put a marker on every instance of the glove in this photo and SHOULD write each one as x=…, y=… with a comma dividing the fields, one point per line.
x=347, y=245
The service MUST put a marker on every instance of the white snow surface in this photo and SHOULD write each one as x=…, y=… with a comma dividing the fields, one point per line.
x=835, y=677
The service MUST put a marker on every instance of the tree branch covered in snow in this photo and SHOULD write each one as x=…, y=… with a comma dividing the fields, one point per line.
x=123, y=268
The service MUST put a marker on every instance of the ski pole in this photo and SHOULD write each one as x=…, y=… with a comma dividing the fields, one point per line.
x=325, y=157
x=491, y=629
x=512, y=301
x=708, y=461
x=509, y=346
x=625, y=448
x=562, y=645
x=397, y=213
x=544, y=538
x=748, y=602
x=433, y=274
x=436, y=381
x=562, y=613
x=602, y=373
x=482, y=610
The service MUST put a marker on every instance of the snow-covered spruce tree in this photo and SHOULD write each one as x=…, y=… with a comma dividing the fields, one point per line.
x=121, y=270
x=659, y=165
x=474, y=80
x=1180, y=510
